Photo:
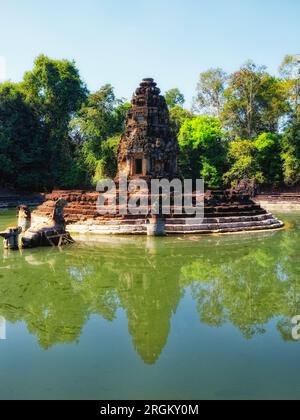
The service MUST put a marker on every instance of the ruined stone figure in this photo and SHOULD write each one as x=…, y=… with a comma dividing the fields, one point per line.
x=247, y=187
x=12, y=235
x=24, y=218
x=11, y=238
x=50, y=233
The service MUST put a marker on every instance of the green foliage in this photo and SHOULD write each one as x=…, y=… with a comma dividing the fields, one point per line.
x=254, y=102
x=55, y=88
x=203, y=150
x=210, y=173
x=243, y=165
x=268, y=157
x=174, y=98
x=209, y=97
x=107, y=165
x=54, y=91
x=54, y=134
x=290, y=71
x=101, y=116
x=20, y=142
x=200, y=132
x=291, y=155
x=178, y=116
x=257, y=160
x=98, y=127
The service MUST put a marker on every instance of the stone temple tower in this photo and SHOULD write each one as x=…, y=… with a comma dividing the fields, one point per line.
x=148, y=149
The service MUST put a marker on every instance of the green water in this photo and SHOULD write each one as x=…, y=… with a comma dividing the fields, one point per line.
x=171, y=318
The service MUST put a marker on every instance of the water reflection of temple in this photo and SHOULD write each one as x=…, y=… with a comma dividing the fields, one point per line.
x=150, y=300
x=245, y=281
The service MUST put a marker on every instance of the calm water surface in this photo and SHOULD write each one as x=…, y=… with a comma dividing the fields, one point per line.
x=171, y=318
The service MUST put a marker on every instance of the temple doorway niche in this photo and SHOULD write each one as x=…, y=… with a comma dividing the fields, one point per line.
x=138, y=166
x=159, y=167
x=168, y=168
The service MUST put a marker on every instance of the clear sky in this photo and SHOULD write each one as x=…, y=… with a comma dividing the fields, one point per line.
x=122, y=41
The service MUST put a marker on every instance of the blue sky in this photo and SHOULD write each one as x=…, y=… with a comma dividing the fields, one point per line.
x=122, y=41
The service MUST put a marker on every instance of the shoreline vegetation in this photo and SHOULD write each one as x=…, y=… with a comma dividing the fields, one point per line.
x=10, y=199
x=55, y=134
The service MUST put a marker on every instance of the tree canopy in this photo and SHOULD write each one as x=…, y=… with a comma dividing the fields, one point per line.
x=202, y=149
x=210, y=92
x=55, y=92
x=254, y=102
x=54, y=133
x=174, y=98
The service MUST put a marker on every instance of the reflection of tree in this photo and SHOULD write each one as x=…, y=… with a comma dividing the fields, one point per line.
x=43, y=298
x=249, y=286
x=56, y=292
x=245, y=280
x=244, y=292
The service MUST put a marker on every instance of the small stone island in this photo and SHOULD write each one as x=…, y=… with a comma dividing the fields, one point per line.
x=149, y=150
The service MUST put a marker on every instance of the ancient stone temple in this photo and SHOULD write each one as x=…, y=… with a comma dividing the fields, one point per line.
x=148, y=149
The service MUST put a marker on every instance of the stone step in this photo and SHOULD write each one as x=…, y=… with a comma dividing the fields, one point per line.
x=184, y=221
x=256, y=218
x=74, y=215
x=265, y=219
x=186, y=229
x=217, y=226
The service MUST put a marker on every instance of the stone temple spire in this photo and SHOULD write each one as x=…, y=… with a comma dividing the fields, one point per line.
x=148, y=148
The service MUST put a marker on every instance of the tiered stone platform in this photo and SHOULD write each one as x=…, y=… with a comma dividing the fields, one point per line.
x=224, y=213
x=279, y=201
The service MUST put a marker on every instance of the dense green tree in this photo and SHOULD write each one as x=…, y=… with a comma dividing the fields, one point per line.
x=268, y=157
x=98, y=127
x=20, y=142
x=55, y=92
x=258, y=160
x=103, y=163
x=202, y=149
x=178, y=116
x=290, y=71
x=101, y=116
x=291, y=154
x=53, y=133
x=210, y=89
x=174, y=98
x=254, y=102
x=243, y=164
